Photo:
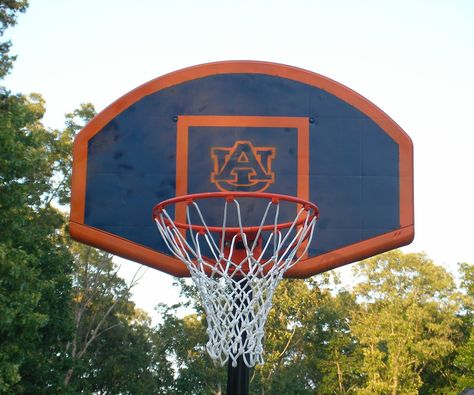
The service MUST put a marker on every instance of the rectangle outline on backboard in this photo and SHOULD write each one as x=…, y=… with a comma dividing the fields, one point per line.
x=187, y=121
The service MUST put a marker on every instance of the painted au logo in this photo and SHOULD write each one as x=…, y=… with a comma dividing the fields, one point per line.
x=242, y=167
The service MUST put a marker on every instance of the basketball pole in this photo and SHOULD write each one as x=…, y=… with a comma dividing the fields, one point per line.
x=238, y=378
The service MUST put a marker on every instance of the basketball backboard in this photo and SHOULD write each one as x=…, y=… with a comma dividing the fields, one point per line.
x=244, y=126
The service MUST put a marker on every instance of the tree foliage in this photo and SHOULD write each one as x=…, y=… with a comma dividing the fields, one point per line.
x=396, y=332
x=406, y=319
x=113, y=348
x=464, y=359
x=308, y=347
x=9, y=10
x=35, y=263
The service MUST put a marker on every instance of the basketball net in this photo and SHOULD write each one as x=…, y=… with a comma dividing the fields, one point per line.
x=238, y=277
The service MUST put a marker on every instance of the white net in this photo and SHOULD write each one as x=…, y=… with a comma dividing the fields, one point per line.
x=239, y=272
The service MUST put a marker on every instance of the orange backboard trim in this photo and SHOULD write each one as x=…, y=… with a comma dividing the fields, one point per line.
x=126, y=249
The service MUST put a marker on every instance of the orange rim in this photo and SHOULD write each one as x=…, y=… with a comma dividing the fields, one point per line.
x=275, y=198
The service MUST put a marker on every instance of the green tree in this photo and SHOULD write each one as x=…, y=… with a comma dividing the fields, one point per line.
x=285, y=368
x=406, y=320
x=308, y=347
x=35, y=264
x=464, y=360
x=130, y=359
x=300, y=340
x=9, y=10
x=113, y=349
x=337, y=353
x=184, y=340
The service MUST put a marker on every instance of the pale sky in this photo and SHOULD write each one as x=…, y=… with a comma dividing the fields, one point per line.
x=414, y=59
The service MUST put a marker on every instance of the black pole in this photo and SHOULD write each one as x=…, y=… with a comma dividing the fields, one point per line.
x=238, y=378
